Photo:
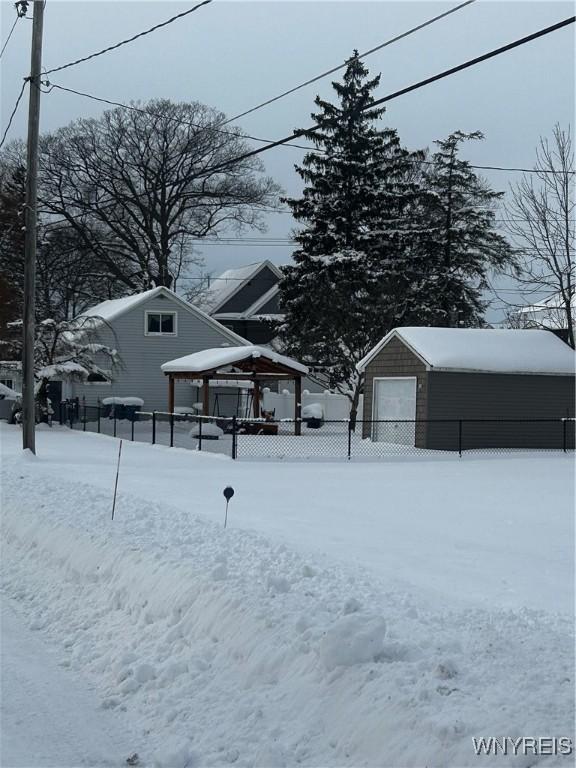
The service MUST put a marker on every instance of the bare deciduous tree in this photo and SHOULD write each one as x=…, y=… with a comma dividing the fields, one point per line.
x=139, y=186
x=540, y=217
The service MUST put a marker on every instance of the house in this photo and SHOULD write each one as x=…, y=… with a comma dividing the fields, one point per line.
x=246, y=300
x=11, y=374
x=149, y=329
x=550, y=313
x=421, y=382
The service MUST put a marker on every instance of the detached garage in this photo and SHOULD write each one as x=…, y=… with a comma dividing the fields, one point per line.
x=444, y=388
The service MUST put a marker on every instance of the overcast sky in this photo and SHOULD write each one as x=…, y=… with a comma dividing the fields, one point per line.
x=232, y=55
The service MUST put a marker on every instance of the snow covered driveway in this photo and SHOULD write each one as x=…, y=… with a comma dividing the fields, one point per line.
x=376, y=615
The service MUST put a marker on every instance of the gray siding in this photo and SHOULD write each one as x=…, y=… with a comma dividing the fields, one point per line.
x=142, y=356
x=247, y=295
x=395, y=359
x=499, y=396
x=257, y=331
x=272, y=306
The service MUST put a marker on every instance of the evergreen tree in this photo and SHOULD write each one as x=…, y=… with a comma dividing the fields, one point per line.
x=12, y=200
x=460, y=244
x=340, y=296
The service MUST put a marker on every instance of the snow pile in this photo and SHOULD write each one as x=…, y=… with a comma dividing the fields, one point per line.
x=123, y=401
x=220, y=646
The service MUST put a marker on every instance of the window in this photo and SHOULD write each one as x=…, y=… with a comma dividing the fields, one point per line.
x=7, y=383
x=160, y=324
x=96, y=378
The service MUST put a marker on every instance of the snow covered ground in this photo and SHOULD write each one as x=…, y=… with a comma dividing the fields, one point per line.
x=377, y=614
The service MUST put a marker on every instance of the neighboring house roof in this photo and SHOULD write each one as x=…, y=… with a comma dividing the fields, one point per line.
x=212, y=359
x=483, y=350
x=252, y=311
x=230, y=282
x=110, y=310
x=548, y=313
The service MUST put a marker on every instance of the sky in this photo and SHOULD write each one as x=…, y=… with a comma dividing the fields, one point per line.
x=232, y=55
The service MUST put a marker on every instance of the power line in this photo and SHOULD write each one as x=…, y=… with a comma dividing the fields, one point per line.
x=409, y=89
x=130, y=39
x=343, y=64
x=133, y=108
x=18, y=100
x=421, y=84
x=9, y=35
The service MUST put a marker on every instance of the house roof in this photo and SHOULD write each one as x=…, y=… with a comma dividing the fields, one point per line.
x=548, y=313
x=230, y=282
x=110, y=310
x=212, y=359
x=483, y=350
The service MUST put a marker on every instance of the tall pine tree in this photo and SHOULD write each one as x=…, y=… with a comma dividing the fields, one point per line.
x=460, y=244
x=346, y=287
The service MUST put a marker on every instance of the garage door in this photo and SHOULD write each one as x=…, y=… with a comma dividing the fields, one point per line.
x=394, y=402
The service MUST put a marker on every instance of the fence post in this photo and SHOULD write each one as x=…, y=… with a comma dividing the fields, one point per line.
x=84, y=426
x=234, y=445
x=153, y=427
x=200, y=434
x=114, y=421
x=564, y=441
x=71, y=414
x=98, y=418
x=171, y=430
x=350, y=438
x=460, y=438
x=132, y=428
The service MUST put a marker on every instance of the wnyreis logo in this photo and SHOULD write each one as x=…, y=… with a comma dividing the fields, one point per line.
x=523, y=745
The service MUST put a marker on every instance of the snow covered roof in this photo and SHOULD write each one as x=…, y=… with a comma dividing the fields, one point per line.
x=484, y=350
x=222, y=288
x=7, y=393
x=211, y=359
x=548, y=313
x=113, y=308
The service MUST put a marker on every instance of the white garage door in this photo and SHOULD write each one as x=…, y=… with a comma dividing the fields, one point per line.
x=394, y=399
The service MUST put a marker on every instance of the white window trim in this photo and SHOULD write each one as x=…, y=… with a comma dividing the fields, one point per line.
x=162, y=312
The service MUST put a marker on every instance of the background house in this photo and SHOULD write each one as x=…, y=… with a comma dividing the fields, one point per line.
x=11, y=374
x=452, y=374
x=147, y=330
x=246, y=300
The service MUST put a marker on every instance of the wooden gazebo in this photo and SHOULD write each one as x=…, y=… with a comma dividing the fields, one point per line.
x=249, y=363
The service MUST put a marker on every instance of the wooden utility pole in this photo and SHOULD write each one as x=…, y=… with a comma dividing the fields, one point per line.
x=28, y=400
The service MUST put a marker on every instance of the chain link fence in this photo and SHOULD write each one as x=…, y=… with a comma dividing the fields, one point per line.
x=321, y=440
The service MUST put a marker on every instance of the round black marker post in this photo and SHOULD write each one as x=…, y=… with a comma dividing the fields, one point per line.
x=228, y=493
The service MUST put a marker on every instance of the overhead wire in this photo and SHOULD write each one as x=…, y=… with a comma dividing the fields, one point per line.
x=129, y=39
x=343, y=64
x=9, y=35
x=396, y=94
x=11, y=118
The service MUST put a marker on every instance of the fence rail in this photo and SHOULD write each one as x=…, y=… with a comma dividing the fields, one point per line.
x=265, y=439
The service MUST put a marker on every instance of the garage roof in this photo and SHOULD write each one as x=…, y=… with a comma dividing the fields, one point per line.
x=484, y=350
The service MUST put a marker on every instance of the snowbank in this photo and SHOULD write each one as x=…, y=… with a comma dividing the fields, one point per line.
x=225, y=647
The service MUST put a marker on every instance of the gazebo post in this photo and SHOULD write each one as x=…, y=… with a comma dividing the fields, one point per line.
x=256, y=399
x=170, y=393
x=297, y=405
x=205, y=396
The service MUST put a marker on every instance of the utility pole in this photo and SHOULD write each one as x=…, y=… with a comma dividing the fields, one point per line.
x=28, y=400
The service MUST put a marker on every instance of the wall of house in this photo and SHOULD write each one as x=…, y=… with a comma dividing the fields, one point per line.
x=254, y=289
x=140, y=374
x=257, y=331
x=499, y=396
x=395, y=359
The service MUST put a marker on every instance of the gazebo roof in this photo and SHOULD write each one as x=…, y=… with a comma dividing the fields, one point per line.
x=247, y=358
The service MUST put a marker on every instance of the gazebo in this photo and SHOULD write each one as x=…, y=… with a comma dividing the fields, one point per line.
x=249, y=363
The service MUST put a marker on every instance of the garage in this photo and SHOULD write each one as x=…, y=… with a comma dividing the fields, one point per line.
x=458, y=388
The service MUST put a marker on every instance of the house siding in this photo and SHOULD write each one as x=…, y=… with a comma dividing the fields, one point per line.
x=141, y=356
x=468, y=396
x=395, y=359
x=256, y=287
